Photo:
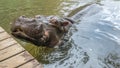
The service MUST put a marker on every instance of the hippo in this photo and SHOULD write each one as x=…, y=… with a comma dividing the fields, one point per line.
x=41, y=30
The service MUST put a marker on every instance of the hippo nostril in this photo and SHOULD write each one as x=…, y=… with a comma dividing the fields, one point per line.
x=23, y=16
x=38, y=16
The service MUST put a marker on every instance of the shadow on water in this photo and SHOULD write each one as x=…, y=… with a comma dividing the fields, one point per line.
x=94, y=41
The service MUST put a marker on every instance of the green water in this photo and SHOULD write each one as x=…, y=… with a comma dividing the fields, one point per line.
x=12, y=9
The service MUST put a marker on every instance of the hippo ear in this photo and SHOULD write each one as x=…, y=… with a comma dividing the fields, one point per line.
x=21, y=18
x=65, y=23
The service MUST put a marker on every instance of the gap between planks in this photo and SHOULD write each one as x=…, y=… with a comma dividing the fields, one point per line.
x=13, y=55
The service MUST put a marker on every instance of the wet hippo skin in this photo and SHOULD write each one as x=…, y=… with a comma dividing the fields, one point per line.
x=41, y=30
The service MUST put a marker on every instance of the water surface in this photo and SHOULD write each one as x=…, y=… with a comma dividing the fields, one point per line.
x=92, y=42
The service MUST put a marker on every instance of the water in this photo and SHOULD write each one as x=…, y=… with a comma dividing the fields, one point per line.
x=93, y=42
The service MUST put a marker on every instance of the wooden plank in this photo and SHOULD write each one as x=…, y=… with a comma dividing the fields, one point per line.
x=4, y=35
x=16, y=60
x=1, y=29
x=12, y=55
x=8, y=52
x=32, y=64
x=6, y=43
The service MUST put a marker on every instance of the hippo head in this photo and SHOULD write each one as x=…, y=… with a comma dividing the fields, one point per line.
x=41, y=30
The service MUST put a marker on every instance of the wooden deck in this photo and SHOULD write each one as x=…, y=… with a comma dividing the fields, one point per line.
x=13, y=55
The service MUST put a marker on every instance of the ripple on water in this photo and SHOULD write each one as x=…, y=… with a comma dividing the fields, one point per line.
x=97, y=37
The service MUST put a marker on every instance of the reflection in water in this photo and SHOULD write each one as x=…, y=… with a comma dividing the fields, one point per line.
x=94, y=41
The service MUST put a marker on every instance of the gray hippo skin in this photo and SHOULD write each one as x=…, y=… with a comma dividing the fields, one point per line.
x=41, y=30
